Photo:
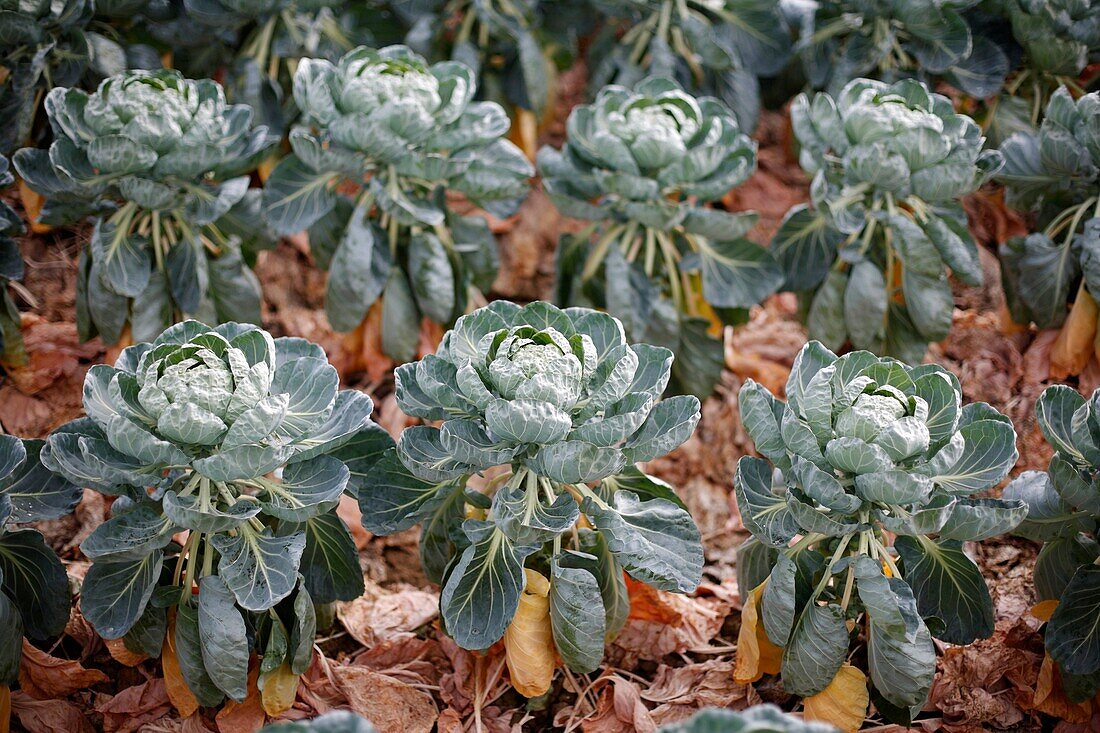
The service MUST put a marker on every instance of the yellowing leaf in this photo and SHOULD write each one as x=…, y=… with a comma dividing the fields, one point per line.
x=1075, y=343
x=32, y=205
x=756, y=654
x=843, y=703
x=1050, y=696
x=278, y=690
x=121, y=654
x=529, y=640
x=1044, y=609
x=179, y=693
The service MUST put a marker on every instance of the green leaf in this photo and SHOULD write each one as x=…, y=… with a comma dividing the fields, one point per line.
x=11, y=642
x=1058, y=562
x=131, y=535
x=1073, y=634
x=114, y=594
x=187, y=512
x=656, y=541
x=308, y=489
x=302, y=633
x=577, y=616
x=902, y=666
x=261, y=570
x=432, y=276
x=777, y=605
x=948, y=586
x=296, y=196
x=34, y=579
x=988, y=452
x=764, y=512
x=817, y=649
x=736, y=273
x=805, y=246
x=394, y=499
x=358, y=273
x=865, y=305
x=1054, y=412
x=189, y=655
x=574, y=461
x=975, y=520
x=481, y=594
x=330, y=562
x=36, y=493
x=669, y=424
x=223, y=638
x=612, y=581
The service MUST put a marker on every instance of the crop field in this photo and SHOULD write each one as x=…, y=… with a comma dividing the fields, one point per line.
x=494, y=366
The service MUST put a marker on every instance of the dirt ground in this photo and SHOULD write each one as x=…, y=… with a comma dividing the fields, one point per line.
x=384, y=655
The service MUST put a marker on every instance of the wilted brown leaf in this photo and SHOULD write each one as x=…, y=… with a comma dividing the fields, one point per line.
x=390, y=704
x=121, y=654
x=48, y=716
x=668, y=623
x=1050, y=697
x=134, y=707
x=44, y=676
x=383, y=613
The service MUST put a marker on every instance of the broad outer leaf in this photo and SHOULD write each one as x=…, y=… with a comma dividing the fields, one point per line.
x=577, y=617
x=114, y=594
x=261, y=570
x=948, y=586
x=656, y=541
x=816, y=650
x=35, y=580
x=223, y=638
x=1073, y=635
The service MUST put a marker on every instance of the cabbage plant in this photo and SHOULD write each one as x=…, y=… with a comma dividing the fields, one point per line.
x=160, y=163
x=12, y=353
x=42, y=45
x=1054, y=174
x=712, y=47
x=866, y=449
x=567, y=408
x=756, y=719
x=384, y=138
x=1064, y=515
x=228, y=451
x=841, y=40
x=34, y=587
x=642, y=165
x=889, y=163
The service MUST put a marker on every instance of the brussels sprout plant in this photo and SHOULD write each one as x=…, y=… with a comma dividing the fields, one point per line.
x=642, y=165
x=399, y=135
x=569, y=407
x=239, y=446
x=891, y=39
x=42, y=45
x=889, y=163
x=1055, y=175
x=713, y=47
x=865, y=449
x=1064, y=515
x=34, y=587
x=159, y=161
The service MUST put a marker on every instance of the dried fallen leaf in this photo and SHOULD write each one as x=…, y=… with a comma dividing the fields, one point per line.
x=279, y=690
x=247, y=716
x=5, y=709
x=382, y=613
x=756, y=654
x=1050, y=697
x=176, y=687
x=620, y=710
x=529, y=640
x=390, y=704
x=45, y=677
x=683, y=690
x=48, y=716
x=135, y=707
x=843, y=703
x=693, y=622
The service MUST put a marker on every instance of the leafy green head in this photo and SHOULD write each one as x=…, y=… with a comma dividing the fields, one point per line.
x=865, y=449
x=398, y=134
x=1064, y=514
x=644, y=165
x=1056, y=35
x=242, y=444
x=560, y=400
x=889, y=163
x=34, y=587
x=1054, y=172
x=844, y=39
x=401, y=128
x=716, y=48
x=756, y=719
x=160, y=161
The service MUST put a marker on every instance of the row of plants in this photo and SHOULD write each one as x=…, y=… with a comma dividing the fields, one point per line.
x=227, y=452
x=159, y=163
